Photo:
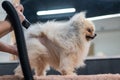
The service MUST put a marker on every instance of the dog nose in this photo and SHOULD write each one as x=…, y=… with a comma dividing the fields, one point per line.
x=95, y=35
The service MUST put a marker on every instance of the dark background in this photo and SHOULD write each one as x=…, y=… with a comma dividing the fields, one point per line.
x=93, y=66
x=93, y=8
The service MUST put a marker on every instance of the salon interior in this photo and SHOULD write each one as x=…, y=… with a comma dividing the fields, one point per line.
x=104, y=52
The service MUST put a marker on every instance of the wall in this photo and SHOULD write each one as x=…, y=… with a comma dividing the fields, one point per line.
x=107, y=42
x=5, y=56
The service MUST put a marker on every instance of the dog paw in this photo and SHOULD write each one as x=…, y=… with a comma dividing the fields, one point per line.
x=18, y=72
x=19, y=75
x=72, y=74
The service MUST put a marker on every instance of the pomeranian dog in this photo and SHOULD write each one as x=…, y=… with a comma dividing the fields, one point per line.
x=62, y=45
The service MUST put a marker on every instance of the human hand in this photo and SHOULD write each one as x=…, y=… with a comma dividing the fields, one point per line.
x=13, y=49
x=19, y=8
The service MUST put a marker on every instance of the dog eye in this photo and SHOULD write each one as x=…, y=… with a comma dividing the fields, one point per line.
x=89, y=30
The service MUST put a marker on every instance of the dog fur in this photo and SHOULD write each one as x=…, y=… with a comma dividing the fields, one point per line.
x=62, y=45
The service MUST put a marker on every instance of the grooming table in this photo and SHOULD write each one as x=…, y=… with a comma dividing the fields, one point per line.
x=58, y=77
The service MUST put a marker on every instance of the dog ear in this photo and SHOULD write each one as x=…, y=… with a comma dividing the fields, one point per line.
x=78, y=19
x=83, y=14
x=79, y=16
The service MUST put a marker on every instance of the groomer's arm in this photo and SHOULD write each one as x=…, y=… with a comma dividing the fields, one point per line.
x=5, y=27
x=8, y=48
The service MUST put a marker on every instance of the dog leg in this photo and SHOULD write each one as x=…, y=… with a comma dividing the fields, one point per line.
x=18, y=71
x=68, y=64
x=40, y=70
x=41, y=66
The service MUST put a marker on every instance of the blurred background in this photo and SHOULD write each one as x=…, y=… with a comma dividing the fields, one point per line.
x=105, y=14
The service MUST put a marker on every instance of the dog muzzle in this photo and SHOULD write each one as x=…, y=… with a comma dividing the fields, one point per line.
x=91, y=37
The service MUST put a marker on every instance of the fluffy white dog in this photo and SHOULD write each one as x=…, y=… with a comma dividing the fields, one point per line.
x=61, y=45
